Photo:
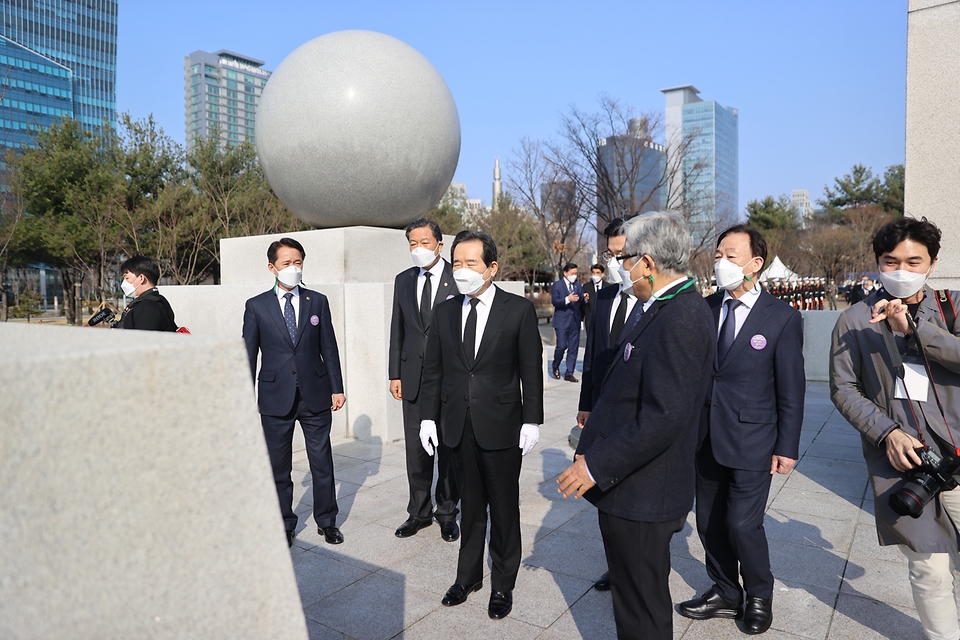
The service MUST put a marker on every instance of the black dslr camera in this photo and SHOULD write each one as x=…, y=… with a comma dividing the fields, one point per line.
x=935, y=474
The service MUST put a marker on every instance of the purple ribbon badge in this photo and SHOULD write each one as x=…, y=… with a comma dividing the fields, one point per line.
x=627, y=350
x=758, y=342
x=314, y=320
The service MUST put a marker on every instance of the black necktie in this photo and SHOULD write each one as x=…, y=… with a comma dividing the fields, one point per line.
x=727, y=331
x=290, y=317
x=425, y=297
x=470, y=333
x=618, y=319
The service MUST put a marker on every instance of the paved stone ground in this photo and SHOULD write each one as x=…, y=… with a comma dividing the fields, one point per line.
x=833, y=580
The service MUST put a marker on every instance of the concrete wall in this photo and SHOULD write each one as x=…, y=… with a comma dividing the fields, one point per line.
x=932, y=186
x=817, y=330
x=115, y=448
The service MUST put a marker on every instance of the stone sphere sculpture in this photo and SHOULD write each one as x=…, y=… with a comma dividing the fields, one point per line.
x=357, y=128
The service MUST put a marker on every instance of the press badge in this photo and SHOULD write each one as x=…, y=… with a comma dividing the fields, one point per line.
x=915, y=379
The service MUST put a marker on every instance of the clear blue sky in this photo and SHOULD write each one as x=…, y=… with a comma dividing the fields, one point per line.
x=819, y=84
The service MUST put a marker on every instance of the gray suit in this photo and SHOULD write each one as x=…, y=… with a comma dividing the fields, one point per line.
x=862, y=388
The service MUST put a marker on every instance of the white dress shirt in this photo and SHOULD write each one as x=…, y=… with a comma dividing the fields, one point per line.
x=662, y=290
x=631, y=300
x=295, y=301
x=483, y=312
x=741, y=312
x=436, y=271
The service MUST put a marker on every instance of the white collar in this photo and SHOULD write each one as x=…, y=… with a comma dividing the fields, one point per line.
x=485, y=298
x=748, y=299
x=436, y=270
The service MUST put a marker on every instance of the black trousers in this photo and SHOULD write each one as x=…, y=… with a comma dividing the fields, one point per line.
x=420, y=472
x=488, y=479
x=638, y=554
x=730, y=509
x=278, y=432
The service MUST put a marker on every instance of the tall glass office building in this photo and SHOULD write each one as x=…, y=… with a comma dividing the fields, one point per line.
x=221, y=91
x=633, y=167
x=58, y=58
x=709, y=187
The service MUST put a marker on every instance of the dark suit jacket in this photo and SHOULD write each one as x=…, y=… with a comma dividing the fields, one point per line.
x=313, y=361
x=408, y=336
x=640, y=440
x=598, y=353
x=503, y=389
x=566, y=315
x=754, y=404
x=589, y=305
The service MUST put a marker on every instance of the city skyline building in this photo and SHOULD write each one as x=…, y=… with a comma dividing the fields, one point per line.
x=702, y=139
x=800, y=199
x=222, y=90
x=59, y=60
x=631, y=169
x=497, y=187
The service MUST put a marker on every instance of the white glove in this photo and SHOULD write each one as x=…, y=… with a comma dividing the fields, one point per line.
x=428, y=436
x=529, y=437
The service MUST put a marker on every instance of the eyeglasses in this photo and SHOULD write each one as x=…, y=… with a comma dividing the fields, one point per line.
x=625, y=256
x=607, y=254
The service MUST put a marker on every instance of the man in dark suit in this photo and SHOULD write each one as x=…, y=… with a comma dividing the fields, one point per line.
x=567, y=298
x=594, y=284
x=862, y=290
x=290, y=328
x=483, y=382
x=635, y=460
x=616, y=312
x=415, y=292
x=749, y=430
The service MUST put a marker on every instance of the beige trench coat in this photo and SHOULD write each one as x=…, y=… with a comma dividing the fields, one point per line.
x=862, y=388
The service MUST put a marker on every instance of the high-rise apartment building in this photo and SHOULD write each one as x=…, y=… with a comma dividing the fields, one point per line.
x=800, y=199
x=222, y=90
x=58, y=59
x=702, y=155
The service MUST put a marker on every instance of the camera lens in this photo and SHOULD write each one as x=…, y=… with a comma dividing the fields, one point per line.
x=914, y=496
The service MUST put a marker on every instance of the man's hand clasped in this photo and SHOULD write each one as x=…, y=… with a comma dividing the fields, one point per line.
x=894, y=312
x=575, y=479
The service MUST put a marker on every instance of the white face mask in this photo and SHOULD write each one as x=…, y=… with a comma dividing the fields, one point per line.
x=291, y=276
x=626, y=282
x=903, y=284
x=423, y=257
x=729, y=274
x=469, y=281
x=571, y=279
x=128, y=288
x=613, y=268
x=596, y=279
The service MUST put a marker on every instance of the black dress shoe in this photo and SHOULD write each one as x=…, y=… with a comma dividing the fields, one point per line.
x=331, y=534
x=757, y=615
x=449, y=531
x=709, y=605
x=570, y=378
x=603, y=584
x=457, y=594
x=290, y=536
x=501, y=604
x=556, y=373
x=411, y=526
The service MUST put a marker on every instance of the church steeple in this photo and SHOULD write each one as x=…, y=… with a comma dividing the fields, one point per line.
x=497, y=189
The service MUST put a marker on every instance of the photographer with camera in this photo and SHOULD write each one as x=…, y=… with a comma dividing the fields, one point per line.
x=895, y=376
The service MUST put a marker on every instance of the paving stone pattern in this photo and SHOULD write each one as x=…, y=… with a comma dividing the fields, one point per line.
x=833, y=581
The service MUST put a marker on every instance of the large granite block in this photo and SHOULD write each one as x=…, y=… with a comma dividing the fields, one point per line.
x=136, y=497
x=817, y=331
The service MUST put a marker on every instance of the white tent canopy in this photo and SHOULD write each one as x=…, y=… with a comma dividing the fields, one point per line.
x=779, y=271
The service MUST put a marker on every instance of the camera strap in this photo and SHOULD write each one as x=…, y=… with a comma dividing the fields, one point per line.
x=948, y=311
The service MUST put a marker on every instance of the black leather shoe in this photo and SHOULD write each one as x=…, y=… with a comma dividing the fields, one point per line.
x=570, y=378
x=331, y=534
x=757, y=615
x=709, y=605
x=290, y=536
x=411, y=526
x=501, y=604
x=603, y=584
x=449, y=531
x=556, y=373
x=457, y=594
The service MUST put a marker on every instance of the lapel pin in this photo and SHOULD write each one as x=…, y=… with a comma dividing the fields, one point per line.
x=308, y=297
x=627, y=351
x=758, y=342
x=314, y=320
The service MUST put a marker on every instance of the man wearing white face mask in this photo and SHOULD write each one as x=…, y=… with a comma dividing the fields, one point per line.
x=291, y=331
x=568, y=303
x=415, y=292
x=896, y=417
x=483, y=383
x=749, y=429
x=149, y=310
